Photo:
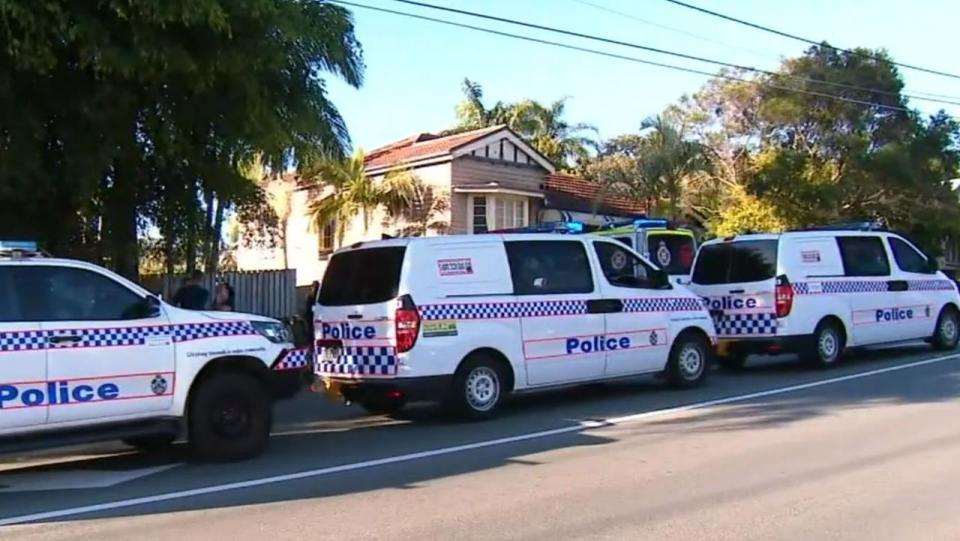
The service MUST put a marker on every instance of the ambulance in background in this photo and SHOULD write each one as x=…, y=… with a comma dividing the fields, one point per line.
x=671, y=248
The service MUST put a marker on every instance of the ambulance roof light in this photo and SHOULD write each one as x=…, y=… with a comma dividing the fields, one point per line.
x=19, y=249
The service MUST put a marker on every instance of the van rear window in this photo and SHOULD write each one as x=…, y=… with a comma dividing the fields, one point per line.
x=367, y=276
x=736, y=262
x=672, y=253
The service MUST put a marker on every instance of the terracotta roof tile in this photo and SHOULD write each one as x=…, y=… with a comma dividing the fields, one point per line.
x=587, y=190
x=423, y=145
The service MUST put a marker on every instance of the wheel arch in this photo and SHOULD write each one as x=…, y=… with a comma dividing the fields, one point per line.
x=234, y=364
x=500, y=357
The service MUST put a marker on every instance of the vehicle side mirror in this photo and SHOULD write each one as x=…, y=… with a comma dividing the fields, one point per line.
x=933, y=266
x=151, y=307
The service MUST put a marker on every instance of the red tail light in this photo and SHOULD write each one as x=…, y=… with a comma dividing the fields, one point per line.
x=407, y=323
x=784, y=297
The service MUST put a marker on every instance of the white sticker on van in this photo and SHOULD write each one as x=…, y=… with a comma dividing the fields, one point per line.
x=810, y=256
x=455, y=267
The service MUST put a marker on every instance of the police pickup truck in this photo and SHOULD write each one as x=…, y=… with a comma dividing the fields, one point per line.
x=90, y=356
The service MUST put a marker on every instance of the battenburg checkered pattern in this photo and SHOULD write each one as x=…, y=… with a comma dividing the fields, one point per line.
x=361, y=361
x=868, y=286
x=502, y=310
x=293, y=359
x=763, y=324
x=931, y=285
x=679, y=304
x=841, y=286
x=121, y=336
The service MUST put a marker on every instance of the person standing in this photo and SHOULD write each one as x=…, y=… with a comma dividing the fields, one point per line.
x=309, y=303
x=223, y=298
x=192, y=295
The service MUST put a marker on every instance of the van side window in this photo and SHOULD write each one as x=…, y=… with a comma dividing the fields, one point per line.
x=621, y=268
x=908, y=259
x=549, y=267
x=864, y=256
x=10, y=307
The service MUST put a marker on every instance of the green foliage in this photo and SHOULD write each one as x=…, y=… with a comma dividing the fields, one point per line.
x=121, y=114
x=544, y=127
x=341, y=190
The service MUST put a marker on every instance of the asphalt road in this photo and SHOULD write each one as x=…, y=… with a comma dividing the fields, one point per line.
x=868, y=451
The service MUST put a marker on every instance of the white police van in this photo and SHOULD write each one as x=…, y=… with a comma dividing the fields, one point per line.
x=86, y=355
x=469, y=319
x=818, y=291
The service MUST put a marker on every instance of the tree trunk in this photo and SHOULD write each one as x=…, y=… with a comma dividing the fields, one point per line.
x=216, y=231
x=120, y=222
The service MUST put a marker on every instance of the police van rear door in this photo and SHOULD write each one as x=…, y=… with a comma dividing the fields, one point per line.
x=356, y=312
x=738, y=280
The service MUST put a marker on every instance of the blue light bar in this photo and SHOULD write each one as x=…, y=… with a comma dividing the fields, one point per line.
x=650, y=223
x=18, y=245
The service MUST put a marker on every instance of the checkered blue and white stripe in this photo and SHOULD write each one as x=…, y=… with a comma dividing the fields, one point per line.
x=361, y=361
x=762, y=324
x=122, y=336
x=22, y=341
x=502, y=310
x=930, y=285
x=842, y=286
x=293, y=359
x=678, y=304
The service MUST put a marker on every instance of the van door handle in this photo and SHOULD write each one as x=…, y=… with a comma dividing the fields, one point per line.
x=604, y=306
x=355, y=316
x=897, y=285
x=64, y=339
x=737, y=291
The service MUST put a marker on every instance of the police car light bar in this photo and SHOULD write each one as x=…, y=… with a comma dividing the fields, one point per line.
x=546, y=227
x=19, y=248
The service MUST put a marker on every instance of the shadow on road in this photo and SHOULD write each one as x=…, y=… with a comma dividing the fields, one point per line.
x=313, y=433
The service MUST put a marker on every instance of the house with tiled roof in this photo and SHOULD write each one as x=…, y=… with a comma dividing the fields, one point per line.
x=488, y=178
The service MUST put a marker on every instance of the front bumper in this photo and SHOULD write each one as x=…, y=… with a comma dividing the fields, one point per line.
x=419, y=389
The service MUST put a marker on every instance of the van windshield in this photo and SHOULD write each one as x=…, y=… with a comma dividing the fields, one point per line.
x=671, y=252
x=367, y=276
x=736, y=262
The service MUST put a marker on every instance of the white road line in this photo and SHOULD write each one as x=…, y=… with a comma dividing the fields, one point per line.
x=585, y=425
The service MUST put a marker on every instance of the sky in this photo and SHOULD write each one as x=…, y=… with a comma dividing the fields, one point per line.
x=414, y=69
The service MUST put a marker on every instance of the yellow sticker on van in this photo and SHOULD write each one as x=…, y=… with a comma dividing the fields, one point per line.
x=444, y=327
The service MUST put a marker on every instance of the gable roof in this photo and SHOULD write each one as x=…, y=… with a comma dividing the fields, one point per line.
x=425, y=146
x=566, y=190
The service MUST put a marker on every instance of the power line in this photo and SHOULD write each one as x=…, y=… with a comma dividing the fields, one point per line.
x=619, y=56
x=668, y=28
x=809, y=41
x=663, y=51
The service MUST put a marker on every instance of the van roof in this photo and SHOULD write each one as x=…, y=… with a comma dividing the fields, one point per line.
x=797, y=234
x=466, y=239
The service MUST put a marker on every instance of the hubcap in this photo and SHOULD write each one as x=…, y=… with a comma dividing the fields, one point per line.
x=829, y=345
x=231, y=419
x=948, y=329
x=483, y=388
x=691, y=361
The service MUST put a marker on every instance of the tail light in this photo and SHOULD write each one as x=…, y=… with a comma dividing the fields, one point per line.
x=784, y=296
x=407, y=323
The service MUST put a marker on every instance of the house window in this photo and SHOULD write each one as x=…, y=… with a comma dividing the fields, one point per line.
x=479, y=224
x=498, y=212
x=327, y=238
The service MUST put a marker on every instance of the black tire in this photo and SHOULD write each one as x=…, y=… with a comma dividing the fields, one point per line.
x=153, y=442
x=946, y=336
x=230, y=418
x=733, y=362
x=826, y=346
x=688, y=362
x=383, y=405
x=479, y=388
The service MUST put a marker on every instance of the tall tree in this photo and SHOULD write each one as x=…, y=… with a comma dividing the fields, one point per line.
x=341, y=190
x=126, y=98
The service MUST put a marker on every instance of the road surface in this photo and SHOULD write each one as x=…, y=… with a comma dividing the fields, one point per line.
x=870, y=450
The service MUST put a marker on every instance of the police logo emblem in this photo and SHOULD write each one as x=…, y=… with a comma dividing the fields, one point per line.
x=653, y=338
x=663, y=254
x=158, y=385
x=618, y=260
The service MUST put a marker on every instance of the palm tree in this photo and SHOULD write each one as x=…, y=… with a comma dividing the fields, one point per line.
x=669, y=160
x=472, y=114
x=354, y=192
